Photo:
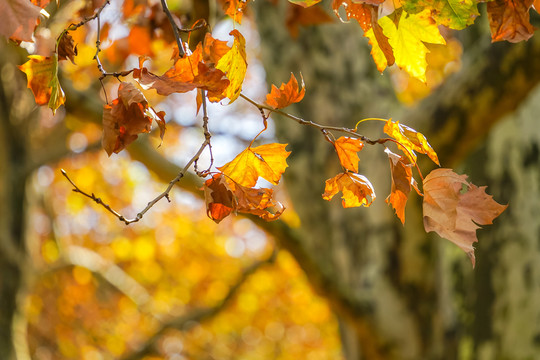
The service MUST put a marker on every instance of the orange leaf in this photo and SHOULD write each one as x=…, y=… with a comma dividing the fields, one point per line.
x=287, y=94
x=347, y=149
x=266, y=161
x=235, y=9
x=301, y=16
x=19, y=18
x=128, y=116
x=223, y=196
x=411, y=140
x=234, y=64
x=139, y=41
x=42, y=76
x=454, y=214
x=356, y=189
x=402, y=179
x=509, y=20
x=219, y=198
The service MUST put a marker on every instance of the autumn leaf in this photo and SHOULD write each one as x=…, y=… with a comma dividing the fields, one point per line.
x=305, y=3
x=67, y=48
x=219, y=198
x=266, y=161
x=234, y=64
x=455, y=14
x=356, y=189
x=223, y=197
x=509, y=20
x=454, y=208
x=235, y=9
x=347, y=150
x=128, y=116
x=407, y=39
x=42, y=76
x=401, y=170
x=300, y=16
x=19, y=18
x=287, y=94
x=411, y=140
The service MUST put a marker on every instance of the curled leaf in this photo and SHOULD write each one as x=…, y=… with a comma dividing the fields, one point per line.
x=509, y=20
x=219, y=198
x=266, y=161
x=128, y=116
x=356, y=189
x=402, y=180
x=411, y=140
x=454, y=208
x=287, y=94
x=42, y=76
x=67, y=48
x=347, y=150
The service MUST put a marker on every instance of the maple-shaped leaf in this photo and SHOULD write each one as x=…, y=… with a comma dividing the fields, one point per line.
x=402, y=180
x=454, y=208
x=356, y=189
x=411, y=140
x=128, y=116
x=455, y=14
x=347, y=150
x=234, y=64
x=42, y=76
x=305, y=3
x=235, y=9
x=219, y=198
x=509, y=20
x=407, y=39
x=67, y=48
x=287, y=94
x=223, y=197
x=19, y=19
x=266, y=161
x=196, y=70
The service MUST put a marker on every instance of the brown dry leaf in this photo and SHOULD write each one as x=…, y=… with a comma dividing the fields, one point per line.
x=223, y=196
x=219, y=198
x=19, y=18
x=301, y=16
x=347, y=150
x=509, y=20
x=454, y=208
x=266, y=161
x=356, y=189
x=66, y=48
x=287, y=94
x=411, y=140
x=402, y=181
x=128, y=116
x=42, y=76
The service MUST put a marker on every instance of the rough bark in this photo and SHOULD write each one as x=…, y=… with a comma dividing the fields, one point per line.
x=399, y=282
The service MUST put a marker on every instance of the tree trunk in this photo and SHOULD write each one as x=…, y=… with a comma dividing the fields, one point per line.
x=13, y=159
x=398, y=293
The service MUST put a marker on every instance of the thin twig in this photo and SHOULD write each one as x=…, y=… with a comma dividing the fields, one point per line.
x=186, y=322
x=174, y=26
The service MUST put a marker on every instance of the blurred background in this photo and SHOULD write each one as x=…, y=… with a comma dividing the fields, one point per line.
x=322, y=282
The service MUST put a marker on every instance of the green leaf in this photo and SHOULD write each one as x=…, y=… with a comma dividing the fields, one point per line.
x=455, y=14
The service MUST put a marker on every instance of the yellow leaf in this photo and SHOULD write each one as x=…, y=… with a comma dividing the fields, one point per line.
x=407, y=40
x=356, y=189
x=411, y=140
x=234, y=64
x=347, y=149
x=266, y=161
x=42, y=75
